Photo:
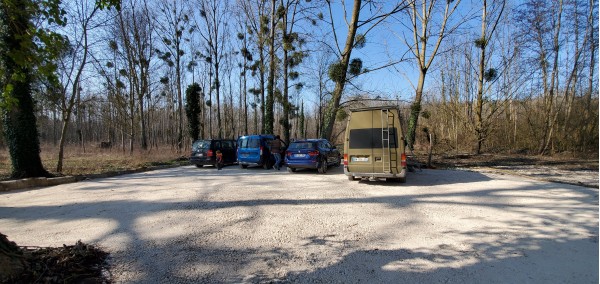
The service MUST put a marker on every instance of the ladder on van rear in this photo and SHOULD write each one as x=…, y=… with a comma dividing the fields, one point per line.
x=389, y=156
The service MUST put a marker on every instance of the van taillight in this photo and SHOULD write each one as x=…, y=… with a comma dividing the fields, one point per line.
x=261, y=150
x=209, y=153
x=313, y=153
x=403, y=160
x=345, y=159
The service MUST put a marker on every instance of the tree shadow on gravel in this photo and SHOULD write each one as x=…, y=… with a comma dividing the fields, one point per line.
x=183, y=255
x=526, y=260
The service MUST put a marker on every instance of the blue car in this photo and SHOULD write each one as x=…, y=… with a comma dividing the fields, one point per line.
x=312, y=154
x=253, y=150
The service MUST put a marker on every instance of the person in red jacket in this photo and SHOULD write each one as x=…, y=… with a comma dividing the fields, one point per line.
x=219, y=160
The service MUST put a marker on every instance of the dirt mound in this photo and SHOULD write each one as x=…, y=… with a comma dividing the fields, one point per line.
x=79, y=263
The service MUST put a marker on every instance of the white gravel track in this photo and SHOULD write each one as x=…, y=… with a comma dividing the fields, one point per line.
x=189, y=225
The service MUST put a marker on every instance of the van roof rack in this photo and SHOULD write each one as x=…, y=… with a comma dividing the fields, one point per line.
x=375, y=108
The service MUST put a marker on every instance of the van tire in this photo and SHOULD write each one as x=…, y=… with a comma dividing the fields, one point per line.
x=243, y=166
x=322, y=166
x=352, y=178
x=291, y=170
x=199, y=166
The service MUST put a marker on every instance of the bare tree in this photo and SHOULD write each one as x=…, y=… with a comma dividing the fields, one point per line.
x=136, y=28
x=540, y=23
x=338, y=71
x=425, y=45
x=73, y=66
x=488, y=27
x=292, y=13
x=257, y=23
x=172, y=24
x=215, y=13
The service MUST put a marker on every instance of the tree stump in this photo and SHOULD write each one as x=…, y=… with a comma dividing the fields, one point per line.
x=12, y=262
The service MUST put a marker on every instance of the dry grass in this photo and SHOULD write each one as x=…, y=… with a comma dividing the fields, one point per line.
x=95, y=160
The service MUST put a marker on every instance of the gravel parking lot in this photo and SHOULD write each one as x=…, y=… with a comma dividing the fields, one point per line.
x=189, y=225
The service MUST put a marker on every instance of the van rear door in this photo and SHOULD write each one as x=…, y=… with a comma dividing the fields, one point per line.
x=360, y=150
x=369, y=135
x=249, y=149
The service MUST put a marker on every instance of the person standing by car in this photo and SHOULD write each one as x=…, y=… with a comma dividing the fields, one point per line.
x=219, y=160
x=276, y=146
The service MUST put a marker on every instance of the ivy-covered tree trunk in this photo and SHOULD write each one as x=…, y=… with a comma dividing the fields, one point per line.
x=20, y=127
x=415, y=111
x=340, y=80
x=192, y=110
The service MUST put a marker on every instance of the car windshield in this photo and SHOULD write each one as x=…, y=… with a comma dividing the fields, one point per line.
x=201, y=144
x=301, y=145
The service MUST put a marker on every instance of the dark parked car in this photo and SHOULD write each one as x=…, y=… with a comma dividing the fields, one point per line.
x=204, y=152
x=312, y=154
x=253, y=150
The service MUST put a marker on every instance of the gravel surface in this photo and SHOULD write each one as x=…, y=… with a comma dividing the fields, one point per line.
x=189, y=225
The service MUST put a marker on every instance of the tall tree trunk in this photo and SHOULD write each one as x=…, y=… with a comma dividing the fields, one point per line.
x=263, y=104
x=286, y=103
x=245, y=89
x=20, y=128
x=415, y=109
x=269, y=115
x=334, y=104
x=589, y=119
x=179, y=102
x=479, y=131
x=549, y=122
x=218, y=93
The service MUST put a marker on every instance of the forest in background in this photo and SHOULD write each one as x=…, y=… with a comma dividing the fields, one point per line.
x=485, y=76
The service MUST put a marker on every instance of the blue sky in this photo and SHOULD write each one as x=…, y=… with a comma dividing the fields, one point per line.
x=384, y=45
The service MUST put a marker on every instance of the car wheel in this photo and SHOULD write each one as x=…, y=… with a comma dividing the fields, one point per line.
x=322, y=166
x=291, y=170
x=243, y=166
x=199, y=166
x=352, y=178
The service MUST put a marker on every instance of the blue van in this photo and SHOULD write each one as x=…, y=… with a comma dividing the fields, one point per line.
x=253, y=150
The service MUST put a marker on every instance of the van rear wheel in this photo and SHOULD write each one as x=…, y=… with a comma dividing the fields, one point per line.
x=243, y=166
x=352, y=178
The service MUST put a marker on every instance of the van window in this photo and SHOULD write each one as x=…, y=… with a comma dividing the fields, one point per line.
x=369, y=138
x=254, y=143
x=250, y=143
x=227, y=144
x=201, y=144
